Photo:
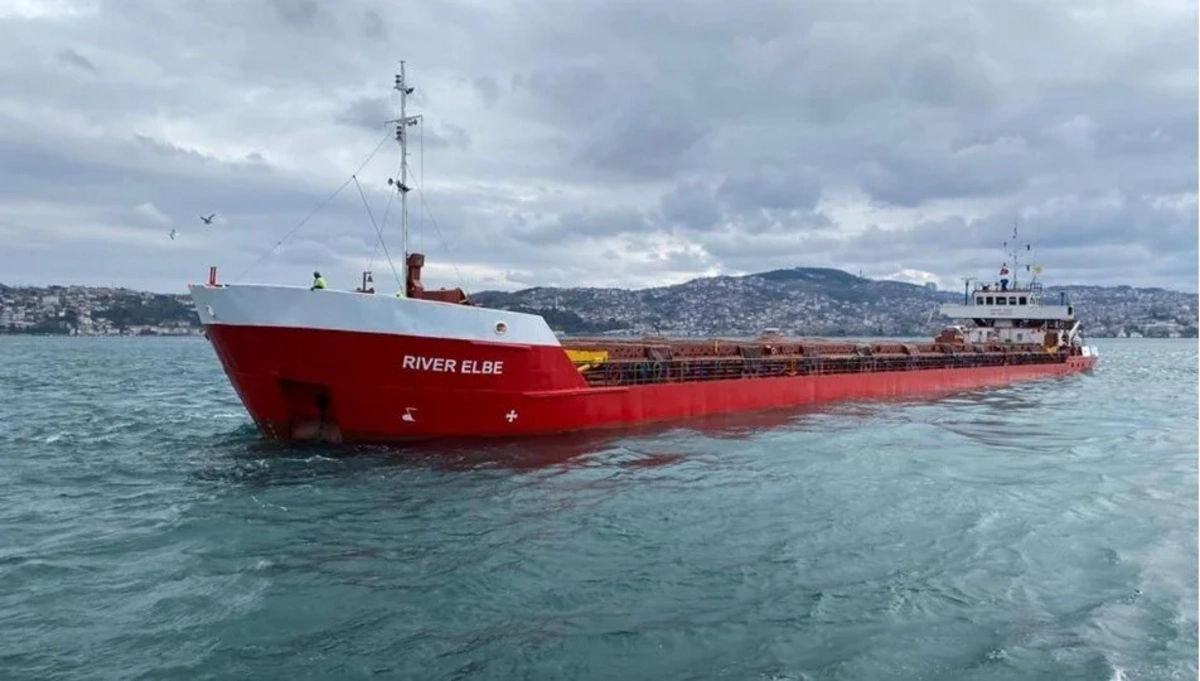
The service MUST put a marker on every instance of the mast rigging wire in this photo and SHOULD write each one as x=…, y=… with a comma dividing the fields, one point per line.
x=418, y=180
x=378, y=231
x=321, y=205
x=383, y=225
x=442, y=237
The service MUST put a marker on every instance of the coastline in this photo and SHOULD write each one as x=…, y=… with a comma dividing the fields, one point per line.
x=848, y=337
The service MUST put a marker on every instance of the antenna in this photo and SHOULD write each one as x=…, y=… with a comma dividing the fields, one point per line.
x=1016, y=255
x=1016, y=265
x=402, y=124
x=967, y=289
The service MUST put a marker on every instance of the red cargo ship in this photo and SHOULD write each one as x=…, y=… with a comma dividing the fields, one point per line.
x=353, y=366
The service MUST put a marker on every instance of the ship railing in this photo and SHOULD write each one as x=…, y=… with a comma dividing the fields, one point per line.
x=624, y=372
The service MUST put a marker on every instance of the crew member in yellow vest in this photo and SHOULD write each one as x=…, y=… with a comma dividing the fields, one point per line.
x=318, y=281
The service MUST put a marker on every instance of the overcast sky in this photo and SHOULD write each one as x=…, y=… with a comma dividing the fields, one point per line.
x=599, y=142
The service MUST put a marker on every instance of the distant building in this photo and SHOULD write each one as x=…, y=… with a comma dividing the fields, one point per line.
x=931, y=285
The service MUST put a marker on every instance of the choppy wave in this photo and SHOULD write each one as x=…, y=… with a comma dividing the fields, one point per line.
x=1046, y=530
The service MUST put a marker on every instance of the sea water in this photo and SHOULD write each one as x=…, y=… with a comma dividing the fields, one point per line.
x=1045, y=530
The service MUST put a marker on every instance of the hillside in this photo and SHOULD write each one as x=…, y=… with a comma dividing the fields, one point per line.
x=95, y=311
x=803, y=300
x=819, y=302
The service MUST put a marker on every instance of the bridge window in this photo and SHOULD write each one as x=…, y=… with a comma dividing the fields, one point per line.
x=979, y=300
x=1001, y=300
x=1024, y=300
x=1012, y=300
x=991, y=301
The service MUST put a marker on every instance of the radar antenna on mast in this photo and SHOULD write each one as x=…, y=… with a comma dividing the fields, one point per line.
x=1015, y=253
x=411, y=286
x=402, y=124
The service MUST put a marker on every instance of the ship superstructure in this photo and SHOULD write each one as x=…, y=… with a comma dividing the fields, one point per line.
x=1007, y=311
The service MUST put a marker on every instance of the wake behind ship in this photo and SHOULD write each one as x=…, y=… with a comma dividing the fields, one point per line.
x=355, y=366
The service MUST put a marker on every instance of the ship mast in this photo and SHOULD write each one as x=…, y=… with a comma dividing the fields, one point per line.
x=1016, y=249
x=1014, y=255
x=402, y=124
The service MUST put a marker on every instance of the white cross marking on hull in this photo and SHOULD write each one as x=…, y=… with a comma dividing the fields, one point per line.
x=511, y=415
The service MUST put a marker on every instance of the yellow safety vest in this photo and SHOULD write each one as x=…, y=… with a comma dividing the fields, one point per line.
x=319, y=283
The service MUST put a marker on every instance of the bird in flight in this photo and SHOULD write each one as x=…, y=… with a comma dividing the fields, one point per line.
x=172, y=234
x=208, y=220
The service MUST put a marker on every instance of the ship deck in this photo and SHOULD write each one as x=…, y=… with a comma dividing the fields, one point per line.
x=623, y=362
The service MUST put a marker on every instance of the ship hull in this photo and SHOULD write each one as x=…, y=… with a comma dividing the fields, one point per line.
x=348, y=386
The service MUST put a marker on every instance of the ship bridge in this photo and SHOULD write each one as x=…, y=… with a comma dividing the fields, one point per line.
x=991, y=302
x=1013, y=314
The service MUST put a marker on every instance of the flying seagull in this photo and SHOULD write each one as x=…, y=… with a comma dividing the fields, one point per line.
x=208, y=220
x=172, y=234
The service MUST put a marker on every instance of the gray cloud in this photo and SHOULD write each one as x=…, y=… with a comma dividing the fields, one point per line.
x=300, y=14
x=373, y=25
x=781, y=189
x=488, y=89
x=368, y=113
x=607, y=142
x=72, y=58
x=692, y=205
x=649, y=139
